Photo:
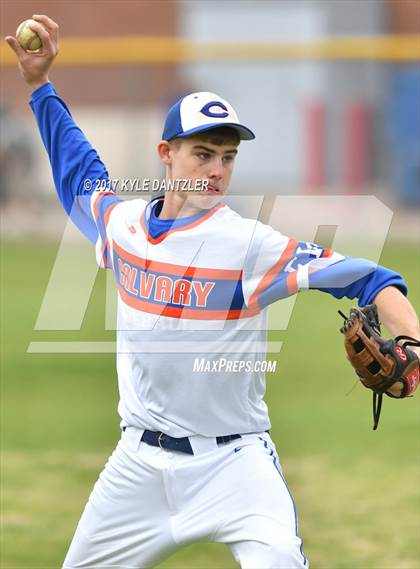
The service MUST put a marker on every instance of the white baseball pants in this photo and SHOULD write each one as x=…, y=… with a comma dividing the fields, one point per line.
x=149, y=502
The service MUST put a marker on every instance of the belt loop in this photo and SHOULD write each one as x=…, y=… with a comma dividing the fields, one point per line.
x=159, y=440
x=201, y=444
x=132, y=436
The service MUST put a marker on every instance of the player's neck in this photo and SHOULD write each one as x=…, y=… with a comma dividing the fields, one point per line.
x=176, y=207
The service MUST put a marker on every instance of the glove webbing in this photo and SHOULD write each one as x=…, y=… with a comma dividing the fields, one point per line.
x=372, y=318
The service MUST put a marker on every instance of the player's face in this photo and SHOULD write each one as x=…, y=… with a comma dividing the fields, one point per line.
x=199, y=160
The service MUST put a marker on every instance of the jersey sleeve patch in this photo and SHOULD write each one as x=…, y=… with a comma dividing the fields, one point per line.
x=290, y=273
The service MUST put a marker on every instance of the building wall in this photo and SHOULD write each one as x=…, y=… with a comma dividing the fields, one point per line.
x=404, y=16
x=269, y=97
x=357, y=82
x=102, y=85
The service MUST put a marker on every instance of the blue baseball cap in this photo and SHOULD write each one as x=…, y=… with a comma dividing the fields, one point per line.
x=199, y=112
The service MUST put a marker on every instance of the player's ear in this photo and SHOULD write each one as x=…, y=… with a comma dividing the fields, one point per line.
x=165, y=152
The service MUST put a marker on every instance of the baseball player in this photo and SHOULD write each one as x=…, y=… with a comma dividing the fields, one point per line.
x=195, y=461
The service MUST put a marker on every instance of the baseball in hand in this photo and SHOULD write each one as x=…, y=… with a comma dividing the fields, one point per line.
x=28, y=39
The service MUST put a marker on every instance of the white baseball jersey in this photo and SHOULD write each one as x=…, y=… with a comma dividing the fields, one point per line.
x=187, y=299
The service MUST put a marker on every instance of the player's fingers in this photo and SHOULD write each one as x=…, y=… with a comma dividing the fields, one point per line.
x=14, y=44
x=47, y=43
x=48, y=23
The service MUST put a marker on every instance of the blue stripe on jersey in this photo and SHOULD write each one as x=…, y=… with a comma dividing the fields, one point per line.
x=238, y=301
x=224, y=294
x=355, y=278
x=73, y=160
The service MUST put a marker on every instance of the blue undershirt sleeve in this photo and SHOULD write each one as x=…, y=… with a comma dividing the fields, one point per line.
x=72, y=158
x=356, y=278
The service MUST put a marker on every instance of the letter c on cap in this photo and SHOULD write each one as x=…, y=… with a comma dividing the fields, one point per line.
x=219, y=115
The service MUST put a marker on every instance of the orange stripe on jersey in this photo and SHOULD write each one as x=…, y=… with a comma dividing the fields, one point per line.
x=105, y=264
x=178, y=270
x=108, y=213
x=96, y=201
x=292, y=285
x=183, y=228
x=106, y=220
x=181, y=312
x=270, y=275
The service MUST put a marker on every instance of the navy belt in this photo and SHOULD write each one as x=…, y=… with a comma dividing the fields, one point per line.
x=158, y=439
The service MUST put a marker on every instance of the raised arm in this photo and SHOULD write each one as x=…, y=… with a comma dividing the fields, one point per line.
x=34, y=67
x=76, y=166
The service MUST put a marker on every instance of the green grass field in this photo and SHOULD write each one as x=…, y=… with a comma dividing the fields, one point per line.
x=356, y=490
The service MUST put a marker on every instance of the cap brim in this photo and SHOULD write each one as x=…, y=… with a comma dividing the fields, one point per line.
x=244, y=132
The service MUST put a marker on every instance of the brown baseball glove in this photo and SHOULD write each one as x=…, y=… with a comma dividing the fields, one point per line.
x=379, y=362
